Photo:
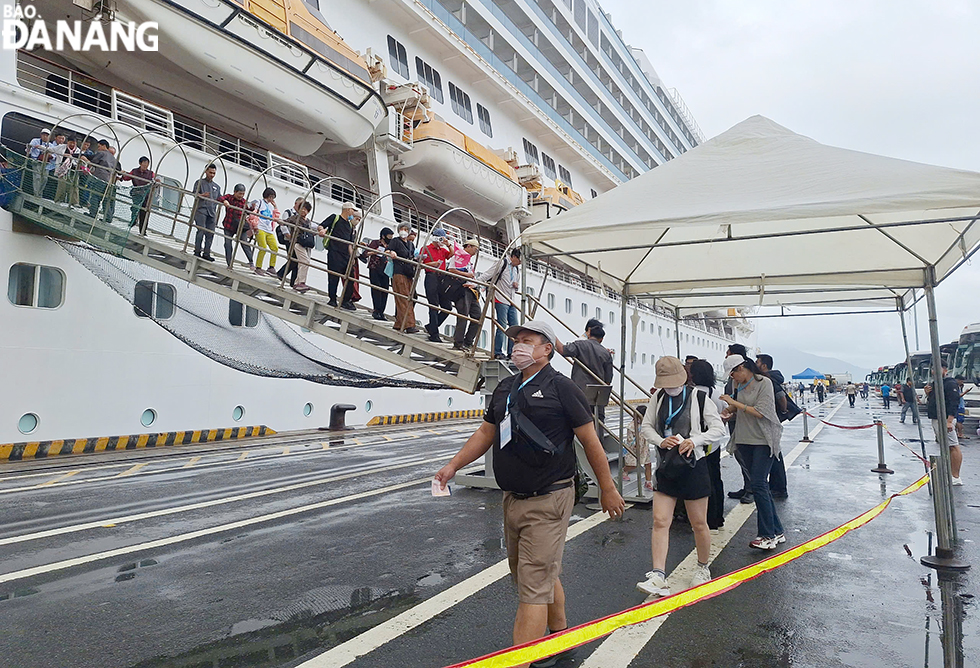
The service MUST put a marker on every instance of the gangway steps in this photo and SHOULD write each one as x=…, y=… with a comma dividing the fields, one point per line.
x=434, y=361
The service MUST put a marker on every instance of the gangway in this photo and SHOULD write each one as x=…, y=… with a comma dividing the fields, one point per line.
x=171, y=254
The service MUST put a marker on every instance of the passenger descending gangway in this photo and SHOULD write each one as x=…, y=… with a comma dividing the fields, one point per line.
x=173, y=256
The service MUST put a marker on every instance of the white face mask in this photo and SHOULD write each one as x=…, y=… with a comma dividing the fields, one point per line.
x=403, y=234
x=674, y=391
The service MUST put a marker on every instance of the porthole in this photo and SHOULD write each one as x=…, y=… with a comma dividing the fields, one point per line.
x=482, y=398
x=27, y=423
x=368, y=406
x=308, y=409
x=449, y=401
x=149, y=417
x=238, y=413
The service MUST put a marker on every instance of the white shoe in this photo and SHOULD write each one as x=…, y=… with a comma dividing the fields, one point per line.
x=761, y=543
x=780, y=538
x=957, y=482
x=654, y=585
x=701, y=575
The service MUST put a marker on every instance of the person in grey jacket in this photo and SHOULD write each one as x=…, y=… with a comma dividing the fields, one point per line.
x=102, y=191
x=506, y=281
x=206, y=196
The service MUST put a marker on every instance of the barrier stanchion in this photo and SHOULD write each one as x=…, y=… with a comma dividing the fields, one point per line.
x=882, y=467
x=806, y=429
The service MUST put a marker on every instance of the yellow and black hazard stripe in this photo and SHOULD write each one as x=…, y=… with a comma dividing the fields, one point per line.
x=579, y=635
x=424, y=417
x=75, y=446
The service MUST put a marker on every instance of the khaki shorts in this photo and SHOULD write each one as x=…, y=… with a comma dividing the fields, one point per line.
x=950, y=434
x=534, y=530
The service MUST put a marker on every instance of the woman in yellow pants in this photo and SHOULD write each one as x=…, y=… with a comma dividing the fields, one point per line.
x=265, y=235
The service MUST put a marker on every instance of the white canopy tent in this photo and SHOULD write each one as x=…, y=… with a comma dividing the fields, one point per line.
x=761, y=216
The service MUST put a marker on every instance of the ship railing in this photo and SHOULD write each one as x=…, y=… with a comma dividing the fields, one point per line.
x=56, y=81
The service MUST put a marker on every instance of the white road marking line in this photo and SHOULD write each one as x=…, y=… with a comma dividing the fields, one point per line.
x=214, y=502
x=375, y=637
x=622, y=647
x=265, y=454
x=181, y=538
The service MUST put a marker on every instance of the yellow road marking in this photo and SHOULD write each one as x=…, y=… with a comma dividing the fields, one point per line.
x=434, y=431
x=387, y=438
x=326, y=446
x=242, y=456
x=193, y=460
x=59, y=478
x=285, y=451
x=357, y=441
x=132, y=470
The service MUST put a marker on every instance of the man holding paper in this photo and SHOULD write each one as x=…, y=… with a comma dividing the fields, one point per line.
x=530, y=423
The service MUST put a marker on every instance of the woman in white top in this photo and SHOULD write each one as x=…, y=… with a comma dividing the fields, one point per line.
x=679, y=423
x=265, y=234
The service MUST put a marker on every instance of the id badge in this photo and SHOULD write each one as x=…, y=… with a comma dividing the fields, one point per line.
x=505, y=430
x=668, y=432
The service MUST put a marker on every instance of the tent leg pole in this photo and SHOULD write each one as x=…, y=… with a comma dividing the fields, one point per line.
x=915, y=406
x=677, y=331
x=944, y=553
x=622, y=391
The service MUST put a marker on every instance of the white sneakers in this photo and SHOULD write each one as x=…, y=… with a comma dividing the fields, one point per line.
x=957, y=482
x=701, y=575
x=654, y=585
x=761, y=543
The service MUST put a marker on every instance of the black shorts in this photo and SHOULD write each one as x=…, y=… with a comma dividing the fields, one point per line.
x=695, y=484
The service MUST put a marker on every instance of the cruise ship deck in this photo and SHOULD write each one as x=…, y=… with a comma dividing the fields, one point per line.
x=294, y=550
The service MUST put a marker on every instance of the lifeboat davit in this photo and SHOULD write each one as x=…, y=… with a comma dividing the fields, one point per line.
x=447, y=165
x=548, y=202
x=270, y=65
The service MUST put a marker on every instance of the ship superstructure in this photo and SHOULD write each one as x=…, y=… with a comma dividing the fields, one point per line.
x=513, y=110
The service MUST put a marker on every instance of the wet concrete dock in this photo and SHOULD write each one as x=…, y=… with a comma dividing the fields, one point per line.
x=284, y=552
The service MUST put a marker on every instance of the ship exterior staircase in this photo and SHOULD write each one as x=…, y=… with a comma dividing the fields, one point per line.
x=172, y=253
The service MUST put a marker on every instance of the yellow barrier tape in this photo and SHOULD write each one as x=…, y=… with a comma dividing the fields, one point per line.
x=580, y=635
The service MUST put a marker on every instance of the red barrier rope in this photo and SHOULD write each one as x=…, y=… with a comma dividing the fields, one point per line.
x=907, y=447
x=839, y=426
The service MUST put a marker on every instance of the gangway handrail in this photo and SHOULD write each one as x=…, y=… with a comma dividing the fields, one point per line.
x=163, y=252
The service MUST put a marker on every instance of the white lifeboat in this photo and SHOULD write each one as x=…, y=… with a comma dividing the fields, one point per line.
x=266, y=72
x=448, y=166
x=548, y=202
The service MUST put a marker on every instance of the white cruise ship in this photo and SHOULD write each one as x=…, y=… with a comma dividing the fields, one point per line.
x=501, y=112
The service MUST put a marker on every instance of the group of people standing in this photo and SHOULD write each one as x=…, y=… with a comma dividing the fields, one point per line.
x=85, y=177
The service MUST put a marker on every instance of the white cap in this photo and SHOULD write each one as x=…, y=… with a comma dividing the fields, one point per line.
x=45, y=131
x=731, y=362
x=537, y=326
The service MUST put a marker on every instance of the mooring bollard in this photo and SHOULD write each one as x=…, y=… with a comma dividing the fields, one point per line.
x=882, y=468
x=338, y=413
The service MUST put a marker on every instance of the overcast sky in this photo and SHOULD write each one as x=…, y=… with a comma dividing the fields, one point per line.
x=892, y=77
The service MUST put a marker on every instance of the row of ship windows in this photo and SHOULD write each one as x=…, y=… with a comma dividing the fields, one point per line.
x=548, y=163
x=592, y=30
x=38, y=286
x=459, y=100
x=687, y=338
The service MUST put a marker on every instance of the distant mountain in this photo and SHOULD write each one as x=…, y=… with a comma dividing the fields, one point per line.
x=790, y=361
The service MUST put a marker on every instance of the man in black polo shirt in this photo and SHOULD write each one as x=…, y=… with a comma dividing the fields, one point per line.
x=530, y=422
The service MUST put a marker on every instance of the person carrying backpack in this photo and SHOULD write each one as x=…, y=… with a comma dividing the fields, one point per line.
x=680, y=423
